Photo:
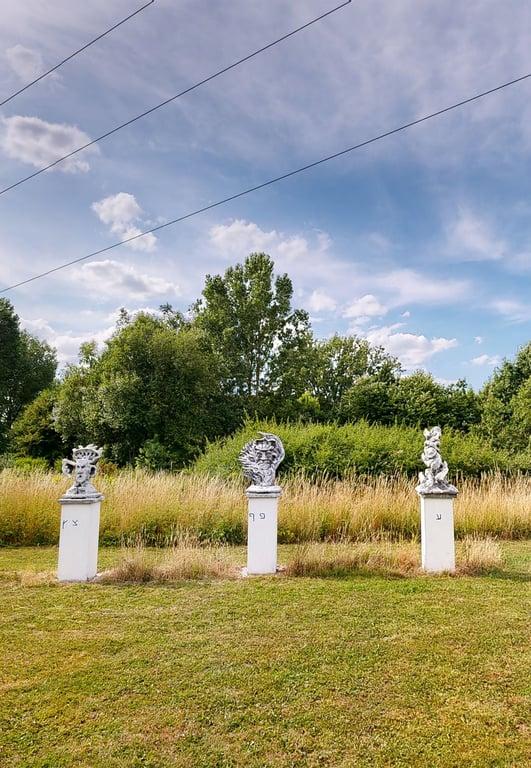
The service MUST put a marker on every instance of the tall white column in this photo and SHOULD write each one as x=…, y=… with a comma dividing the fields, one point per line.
x=437, y=532
x=262, y=528
x=78, y=539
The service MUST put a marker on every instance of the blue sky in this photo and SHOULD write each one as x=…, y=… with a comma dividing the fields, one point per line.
x=421, y=242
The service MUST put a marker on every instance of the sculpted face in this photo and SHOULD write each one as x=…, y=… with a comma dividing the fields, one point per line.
x=264, y=449
x=83, y=471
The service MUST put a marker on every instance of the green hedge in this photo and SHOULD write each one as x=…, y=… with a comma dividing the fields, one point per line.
x=361, y=448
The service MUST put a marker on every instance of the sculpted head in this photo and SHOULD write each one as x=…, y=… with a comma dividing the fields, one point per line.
x=260, y=459
x=82, y=468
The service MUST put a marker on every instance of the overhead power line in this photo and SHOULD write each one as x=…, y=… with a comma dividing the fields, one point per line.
x=177, y=96
x=75, y=53
x=268, y=183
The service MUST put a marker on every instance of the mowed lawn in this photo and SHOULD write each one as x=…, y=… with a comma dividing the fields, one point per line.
x=357, y=671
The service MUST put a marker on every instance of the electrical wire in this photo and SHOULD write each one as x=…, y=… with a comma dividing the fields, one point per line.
x=75, y=53
x=173, y=98
x=268, y=183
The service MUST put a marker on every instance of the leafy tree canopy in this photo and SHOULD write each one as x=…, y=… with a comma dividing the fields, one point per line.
x=28, y=366
x=506, y=403
x=248, y=318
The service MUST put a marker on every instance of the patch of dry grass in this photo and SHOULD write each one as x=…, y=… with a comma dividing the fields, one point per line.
x=185, y=561
x=318, y=559
x=474, y=556
x=162, y=507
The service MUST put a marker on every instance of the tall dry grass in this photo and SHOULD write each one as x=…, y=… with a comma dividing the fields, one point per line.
x=189, y=559
x=186, y=560
x=316, y=559
x=162, y=507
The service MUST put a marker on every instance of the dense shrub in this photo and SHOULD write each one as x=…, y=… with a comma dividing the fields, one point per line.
x=29, y=464
x=339, y=451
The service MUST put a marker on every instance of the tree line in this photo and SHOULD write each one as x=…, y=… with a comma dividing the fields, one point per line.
x=166, y=383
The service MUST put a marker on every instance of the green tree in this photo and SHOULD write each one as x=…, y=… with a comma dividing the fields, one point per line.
x=153, y=392
x=28, y=366
x=505, y=403
x=76, y=412
x=248, y=318
x=521, y=416
x=462, y=408
x=34, y=432
x=338, y=363
x=419, y=400
x=369, y=399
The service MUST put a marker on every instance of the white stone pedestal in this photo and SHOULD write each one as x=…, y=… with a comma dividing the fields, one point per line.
x=437, y=532
x=262, y=526
x=78, y=539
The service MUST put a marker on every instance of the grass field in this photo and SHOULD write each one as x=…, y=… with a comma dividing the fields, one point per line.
x=161, y=506
x=364, y=671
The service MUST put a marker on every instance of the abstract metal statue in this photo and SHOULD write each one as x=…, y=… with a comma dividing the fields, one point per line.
x=260, y=459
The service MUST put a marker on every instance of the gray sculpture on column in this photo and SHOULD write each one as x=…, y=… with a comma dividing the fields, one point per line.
x=433, y=479
x=83, y=468
x=260, y=459
x=436, y=507
x=80, y=517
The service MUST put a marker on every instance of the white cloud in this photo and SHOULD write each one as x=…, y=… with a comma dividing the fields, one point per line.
x=34, y=141
x=407, y=313
x=471, y=239
x=67, y=344
x=242, y=237
x=478, y=339
x=110, y=278
x=27, y=63
x=321, y=302
x=39, y=327
x=513, y=310
x=486, y=360
x=119, y=212
x=307, y=259
x=407, y=286
x=412, y=349
x=365, y=307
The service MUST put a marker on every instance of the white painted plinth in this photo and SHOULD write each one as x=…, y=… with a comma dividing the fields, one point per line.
x=78, y=539
x=262, y=526
x=437, y=532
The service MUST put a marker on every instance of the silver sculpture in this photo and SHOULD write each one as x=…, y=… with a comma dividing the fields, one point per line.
x=83, y=468
x=433, y=479
x=260, y=459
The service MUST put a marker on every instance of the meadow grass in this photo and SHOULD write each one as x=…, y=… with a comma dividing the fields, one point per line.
x=189, y=559
x=274, y=672
x=161, y=507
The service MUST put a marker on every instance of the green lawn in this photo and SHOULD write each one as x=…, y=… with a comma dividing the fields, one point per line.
x=360, y=671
